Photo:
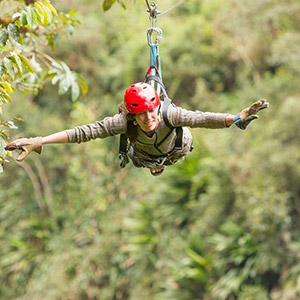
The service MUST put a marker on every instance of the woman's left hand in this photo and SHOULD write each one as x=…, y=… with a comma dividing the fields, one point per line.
x=248, y=114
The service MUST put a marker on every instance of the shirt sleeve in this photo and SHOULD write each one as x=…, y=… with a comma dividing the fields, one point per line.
x=109, y=126
x=178, y=116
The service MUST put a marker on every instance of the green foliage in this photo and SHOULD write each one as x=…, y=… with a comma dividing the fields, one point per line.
x=13, y=32
x=60, y=72
x=107, y=4
x=3, y=37
x=253, y=292
x=221, y=224
x=19, y=45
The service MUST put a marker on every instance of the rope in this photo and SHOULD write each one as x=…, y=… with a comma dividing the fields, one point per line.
x=180, y=2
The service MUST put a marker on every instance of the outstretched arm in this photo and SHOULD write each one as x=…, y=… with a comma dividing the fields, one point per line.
x=108, y=127
x=247, y=115
x=181, y=117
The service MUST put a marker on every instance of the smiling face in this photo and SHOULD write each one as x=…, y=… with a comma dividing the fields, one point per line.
x=148, y=120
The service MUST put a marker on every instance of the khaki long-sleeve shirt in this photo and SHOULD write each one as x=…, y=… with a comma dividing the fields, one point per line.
x=147, y=147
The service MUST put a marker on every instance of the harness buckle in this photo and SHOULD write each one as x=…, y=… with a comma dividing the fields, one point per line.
x=124, y=160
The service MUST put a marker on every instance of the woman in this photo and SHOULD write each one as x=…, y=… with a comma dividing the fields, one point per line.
x=153, y=139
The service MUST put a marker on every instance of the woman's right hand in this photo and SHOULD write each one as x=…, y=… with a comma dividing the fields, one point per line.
x=26, y=146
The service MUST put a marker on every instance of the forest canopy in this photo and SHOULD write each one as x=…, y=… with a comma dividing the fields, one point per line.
x=223, y=224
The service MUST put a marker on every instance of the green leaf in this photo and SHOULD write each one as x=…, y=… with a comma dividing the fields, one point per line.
x=23, y=18
x=122, y=3
x=11, y=125
x=197, y=257
x=4, y=96
x=31, y=17
x=9, y=67
x=72, y=12
x=26, y=63
x=82, y=85
x=3, y=37
x=64, y=85
x=39, y=16
x=53, y=40
x=57, y=65
x=75, y=91
x=17, y=61
x=13, y=32
x=65, y=67
x=7, y=87
x=53, y=71
x=49, y=5
x=61, y=73
x=18, y=119
x=107, y=4
x=2, y=68
x=4, y=135
x=42, y=12
x=47, y=12
x=56, y=78
x=232, y=229
x=70, y=28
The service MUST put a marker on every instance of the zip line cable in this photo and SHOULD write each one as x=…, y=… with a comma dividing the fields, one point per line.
x=180, y=2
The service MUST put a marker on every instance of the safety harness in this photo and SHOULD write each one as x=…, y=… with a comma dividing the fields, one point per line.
x=154, y=77
x=165, y=157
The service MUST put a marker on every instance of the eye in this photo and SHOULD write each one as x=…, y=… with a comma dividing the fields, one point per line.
x=152, y=100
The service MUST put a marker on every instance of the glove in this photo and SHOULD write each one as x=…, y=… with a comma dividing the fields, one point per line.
x=243, y=118
x=26, y=146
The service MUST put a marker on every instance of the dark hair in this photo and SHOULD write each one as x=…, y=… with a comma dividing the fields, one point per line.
x=131, y=131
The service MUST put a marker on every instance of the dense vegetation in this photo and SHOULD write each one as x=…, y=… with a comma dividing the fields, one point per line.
x=221, y=225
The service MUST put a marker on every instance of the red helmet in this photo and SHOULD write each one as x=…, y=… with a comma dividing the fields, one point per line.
x=140, y=97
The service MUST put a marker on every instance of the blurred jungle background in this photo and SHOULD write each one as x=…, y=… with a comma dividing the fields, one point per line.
x=223, y=224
